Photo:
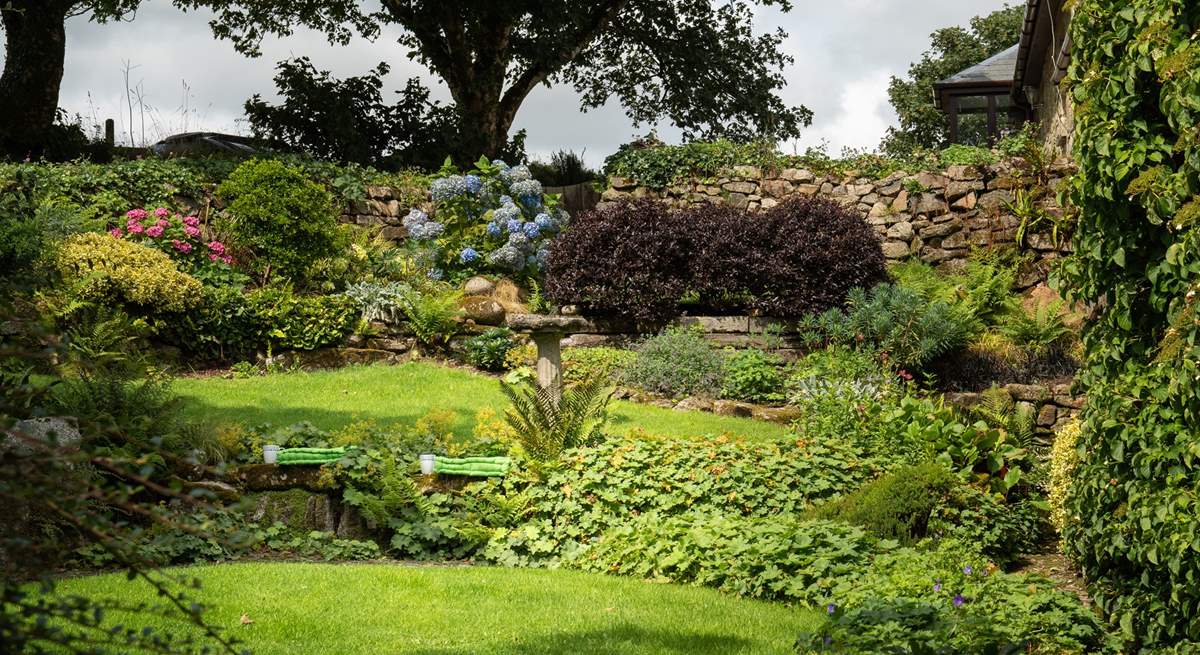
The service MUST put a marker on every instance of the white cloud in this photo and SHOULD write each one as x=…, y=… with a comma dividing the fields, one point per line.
x=860, y=119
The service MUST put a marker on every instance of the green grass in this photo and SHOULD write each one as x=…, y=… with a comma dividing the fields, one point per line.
x=406, y=392
x=347, y=609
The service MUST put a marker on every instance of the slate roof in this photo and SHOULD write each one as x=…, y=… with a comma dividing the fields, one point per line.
x=995, y=70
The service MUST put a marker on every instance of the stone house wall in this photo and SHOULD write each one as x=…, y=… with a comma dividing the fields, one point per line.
x=939, y=216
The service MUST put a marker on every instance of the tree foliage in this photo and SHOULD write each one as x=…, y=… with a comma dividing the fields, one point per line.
x=699, y=65
x=1135, y=82
x=952, y=49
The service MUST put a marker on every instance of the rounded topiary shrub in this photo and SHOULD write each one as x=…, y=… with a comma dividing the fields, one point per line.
x=641, y=259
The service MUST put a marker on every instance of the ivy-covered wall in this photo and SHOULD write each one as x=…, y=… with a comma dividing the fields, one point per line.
x=939, y=216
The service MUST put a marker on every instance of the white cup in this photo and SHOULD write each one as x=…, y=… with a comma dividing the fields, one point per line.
x=427, y=464
x=270, y=453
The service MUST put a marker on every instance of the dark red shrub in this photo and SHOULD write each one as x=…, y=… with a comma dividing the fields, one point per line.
x=631, y=259
x=640, y=259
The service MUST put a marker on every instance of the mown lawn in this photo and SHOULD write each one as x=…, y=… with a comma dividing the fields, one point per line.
x=404, y=393
x=348, y=609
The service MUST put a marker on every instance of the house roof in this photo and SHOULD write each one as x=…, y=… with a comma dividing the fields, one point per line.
x=990, y=76
x=1037, y=37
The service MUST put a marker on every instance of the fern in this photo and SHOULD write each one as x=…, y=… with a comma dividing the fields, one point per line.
x=1039, y=330
x=433, y=317
x=997, y=409
x=547, y=424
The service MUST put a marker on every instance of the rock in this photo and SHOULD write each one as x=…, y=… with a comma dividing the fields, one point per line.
x=1028, y=392
x=393, y=233
x=732, y=408
x=808, y=189
x=61, y=432
x=963, y=400
x=1047, y=415
x=895, y=250
x=738, y=200
x=351, y=525
x=768, y=203
x=484, y=311
x=955, y=240
x=479, y=286
x=967, y=202
x=747, y=172
x=860, y=189
x=929, y=204
x=510, y=296
x=621, y=183
x=995, y=201
x=932, y=181
x=334, y=357
x=900, y=204
x=797, y=175
x=380, y=192
x=1070, y=402
x=902, y=231
x=941, y=229
x=740, y=187
x=956, y=189
x=694, y=404
x=964, y=173
x=879, y=210
x=783, y=415
x=269, y=477
x=777, y=188
x=392, y=345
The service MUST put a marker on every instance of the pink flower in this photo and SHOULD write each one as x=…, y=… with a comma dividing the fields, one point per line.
x=116, y=233
x=217, y=248
x=191, y=220
x=135, y=227
x=135, y=214
x=162, y=222
x=212, y=257
x=181, y=246
x=154, y=231
x=226, y=259
x=162, y=212
x=191, y=230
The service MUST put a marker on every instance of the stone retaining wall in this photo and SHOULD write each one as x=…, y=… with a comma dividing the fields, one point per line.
x=939, y=216
x=382, y=208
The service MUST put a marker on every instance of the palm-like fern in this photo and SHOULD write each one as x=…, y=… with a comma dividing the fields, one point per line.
x=547, y=424
x=1039, y=330
x=998, y=410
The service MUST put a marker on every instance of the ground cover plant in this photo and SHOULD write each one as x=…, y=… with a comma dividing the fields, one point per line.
x=332, y=399
x=317, y=609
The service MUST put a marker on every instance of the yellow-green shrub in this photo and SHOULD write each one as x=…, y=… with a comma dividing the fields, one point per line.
x=1064, y=459
x=106, y=269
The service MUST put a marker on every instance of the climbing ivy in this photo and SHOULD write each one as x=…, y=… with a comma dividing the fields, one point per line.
x=1135, y=81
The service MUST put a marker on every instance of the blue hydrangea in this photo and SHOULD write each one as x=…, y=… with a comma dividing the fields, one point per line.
x=474, y=184
x=494, y=229
x=414, y=218
x=532, y=230
x=506, y=214
x=499, y=163
x=447, y=188
x=518, y=240
x=541, y=256
x=426, y=231
x=468, y=255
x=545, y=223
x=515, y=174
x=515, y=225
x=506, y=200
x=525, y=189
x=531, y=261
x=507, y=258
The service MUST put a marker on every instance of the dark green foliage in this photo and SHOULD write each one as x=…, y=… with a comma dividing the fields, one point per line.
x=640, y=259
x=600, y=487
x=897, y=506
x=947, y=602
x=1134, y=76
x=677, y=362
x=279, y=218
x=923, y=125
x=565, y=168
x=753, y=376
x=1003, y=530
x=488, y=350
x=773, y=559
x=347, y=121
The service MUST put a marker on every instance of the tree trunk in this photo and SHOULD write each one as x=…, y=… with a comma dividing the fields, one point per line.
x=36, y=44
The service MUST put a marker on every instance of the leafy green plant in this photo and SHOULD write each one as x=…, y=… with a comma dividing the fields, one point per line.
x=103, y=269
x=997, y=408
x=489, y=350
x=433, y=315
x=896, y=506
x=549, y=420
x=596, y=363
x=280, y=218
x=1035, y=219
x=753, y=376
x=379, y=301
x=677, y=362
x=1040, y=330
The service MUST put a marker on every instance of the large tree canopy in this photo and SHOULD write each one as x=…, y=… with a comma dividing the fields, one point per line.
x=696, y=63
x=35, y=48
x=952, y=49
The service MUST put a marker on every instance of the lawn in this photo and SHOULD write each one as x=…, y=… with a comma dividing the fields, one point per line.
x=405, y=392
x=300, y=609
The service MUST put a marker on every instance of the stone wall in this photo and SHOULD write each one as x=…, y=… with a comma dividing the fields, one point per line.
x=382, y=208
x=939, y=216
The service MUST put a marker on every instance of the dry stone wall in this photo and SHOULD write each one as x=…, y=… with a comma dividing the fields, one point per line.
x=381, y=207
x=939, y=216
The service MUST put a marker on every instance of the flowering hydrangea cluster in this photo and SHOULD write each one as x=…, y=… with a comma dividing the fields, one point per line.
x=495, y=217
x=180, y=237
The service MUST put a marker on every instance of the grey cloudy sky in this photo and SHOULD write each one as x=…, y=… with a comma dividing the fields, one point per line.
x=844, y=50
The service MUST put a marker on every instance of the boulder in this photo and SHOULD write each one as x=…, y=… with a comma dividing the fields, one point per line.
x=479, y=286
x=895, y=250
x=783, y=415
x=694, y=404
x=482, y=310
x=59, y=431
x=732, y=408
x=929, y=204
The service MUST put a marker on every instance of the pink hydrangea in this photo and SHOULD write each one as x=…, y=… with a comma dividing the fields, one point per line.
x=181, y=246
x=162, y=222
x=191, y=220
x=162, y=212
x=212, y=257
x=217, y=248
x=135, y=227
x=226, y=259
x=154, y=231
x=116, y=233
x=135, y=214
x=191, y=230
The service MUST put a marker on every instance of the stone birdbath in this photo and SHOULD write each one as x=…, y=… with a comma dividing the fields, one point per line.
x=547, y=333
